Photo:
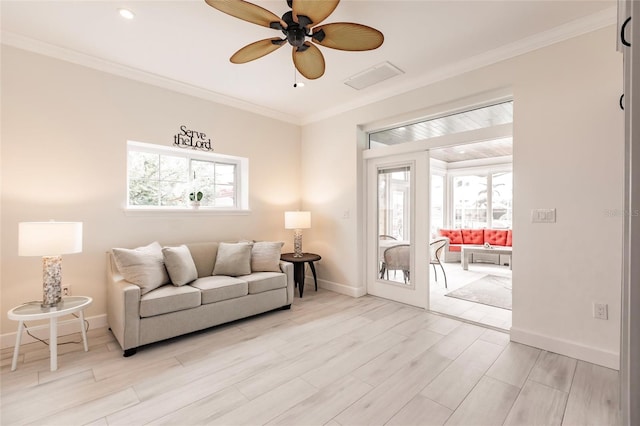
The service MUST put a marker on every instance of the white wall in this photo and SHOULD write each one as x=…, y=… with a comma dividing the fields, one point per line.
x=568, y=155
x=64, y=133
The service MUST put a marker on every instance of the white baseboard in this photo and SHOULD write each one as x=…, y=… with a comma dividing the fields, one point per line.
x=42, y=331
x=336, y=287
x=567, y=347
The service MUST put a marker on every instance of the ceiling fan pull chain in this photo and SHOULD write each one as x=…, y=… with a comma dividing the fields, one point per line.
x=295, y=78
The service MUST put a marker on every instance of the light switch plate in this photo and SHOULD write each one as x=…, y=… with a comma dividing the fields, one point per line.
x=543, y=216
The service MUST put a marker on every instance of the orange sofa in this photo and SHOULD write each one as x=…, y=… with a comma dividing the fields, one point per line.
x=473, y=237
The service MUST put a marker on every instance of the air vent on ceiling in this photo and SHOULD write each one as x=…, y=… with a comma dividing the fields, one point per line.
x=373, y=75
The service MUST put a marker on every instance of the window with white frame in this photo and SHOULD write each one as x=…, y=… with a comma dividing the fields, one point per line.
x=437, y=202
x=482, y=199
x=171, y=178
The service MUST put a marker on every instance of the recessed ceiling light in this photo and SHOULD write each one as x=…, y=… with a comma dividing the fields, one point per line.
x=126, y=13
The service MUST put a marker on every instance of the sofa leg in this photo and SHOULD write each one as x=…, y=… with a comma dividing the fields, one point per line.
x=285, y=307
x=129, y=352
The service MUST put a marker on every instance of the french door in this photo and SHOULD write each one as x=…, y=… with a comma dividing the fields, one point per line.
x=397, y=229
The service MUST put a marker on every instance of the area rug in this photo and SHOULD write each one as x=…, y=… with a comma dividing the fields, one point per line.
x=489, y=290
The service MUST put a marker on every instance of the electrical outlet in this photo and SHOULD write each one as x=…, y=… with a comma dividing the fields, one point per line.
x=66, y=290
x=600, y=311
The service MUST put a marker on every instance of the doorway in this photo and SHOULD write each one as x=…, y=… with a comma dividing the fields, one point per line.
x=480, y=141
x=472, y=205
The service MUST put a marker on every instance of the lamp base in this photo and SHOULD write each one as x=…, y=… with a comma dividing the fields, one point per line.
x=51, y=281
x=297, y=243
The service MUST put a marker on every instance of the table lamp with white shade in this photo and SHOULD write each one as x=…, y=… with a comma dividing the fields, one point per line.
x=297, y=221
x=50, y=240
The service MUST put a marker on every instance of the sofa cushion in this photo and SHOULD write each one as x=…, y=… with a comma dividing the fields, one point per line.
x=454, y=235
x=495, y=237
x=265, y=256
x=179, y=264
x=220, y=287
x=204, y=257
x=455, y=247
x=169, y=298
x=473, y=236
x=509, y=242
x=260, y=282
x=233, y=259
x=142, y=266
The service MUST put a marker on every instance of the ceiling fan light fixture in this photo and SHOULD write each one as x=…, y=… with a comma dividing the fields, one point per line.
x=126, y=13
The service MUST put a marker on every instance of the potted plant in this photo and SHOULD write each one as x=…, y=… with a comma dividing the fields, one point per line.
x=195, y=198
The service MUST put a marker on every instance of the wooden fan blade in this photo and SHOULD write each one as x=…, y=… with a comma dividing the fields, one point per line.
x=316, y=10
x=246, y=11
x=310, y=62
x=348, y=36
x=256, y=50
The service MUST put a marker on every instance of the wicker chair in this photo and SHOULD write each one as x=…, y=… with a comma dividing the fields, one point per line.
x=397, y=258
x=382, y=268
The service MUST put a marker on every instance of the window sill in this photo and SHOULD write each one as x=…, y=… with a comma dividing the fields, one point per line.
x=184, y=211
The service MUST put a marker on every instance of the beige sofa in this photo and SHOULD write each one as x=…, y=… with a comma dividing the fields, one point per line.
x=139, y=315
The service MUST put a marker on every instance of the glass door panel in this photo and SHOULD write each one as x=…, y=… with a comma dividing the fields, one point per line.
x=394, y=223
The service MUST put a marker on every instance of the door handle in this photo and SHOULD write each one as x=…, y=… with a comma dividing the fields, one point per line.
x=622, y=31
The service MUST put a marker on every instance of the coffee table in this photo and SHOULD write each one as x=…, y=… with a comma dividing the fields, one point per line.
x=467, y=251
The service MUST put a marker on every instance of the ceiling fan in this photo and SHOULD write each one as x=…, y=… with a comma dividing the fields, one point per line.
x=299, y=27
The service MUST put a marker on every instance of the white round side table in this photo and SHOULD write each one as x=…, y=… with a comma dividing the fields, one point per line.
x=34, y=311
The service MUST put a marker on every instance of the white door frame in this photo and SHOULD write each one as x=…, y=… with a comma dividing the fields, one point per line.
x=416, y=293
x=630, y=318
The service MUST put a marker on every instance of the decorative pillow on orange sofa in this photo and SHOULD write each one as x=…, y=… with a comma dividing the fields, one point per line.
x=454, y=235
x=509, y=238
x=495, y=237
x=473, y=236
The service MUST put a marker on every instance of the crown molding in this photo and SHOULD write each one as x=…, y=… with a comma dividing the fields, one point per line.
x=555, y=35
x=572, y=29
x=78, y=58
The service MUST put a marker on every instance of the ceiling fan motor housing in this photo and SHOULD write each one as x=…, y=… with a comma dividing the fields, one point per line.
x=296, y=32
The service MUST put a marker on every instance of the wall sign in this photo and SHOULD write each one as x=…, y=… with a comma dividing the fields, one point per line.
x=192, y=139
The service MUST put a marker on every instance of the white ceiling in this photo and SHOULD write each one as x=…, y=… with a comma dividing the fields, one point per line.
x=185, y=45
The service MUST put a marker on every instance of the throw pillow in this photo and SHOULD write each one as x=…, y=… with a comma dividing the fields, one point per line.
x=233, y=259
x=265, y=256
x=182, y=270
x=142, y=266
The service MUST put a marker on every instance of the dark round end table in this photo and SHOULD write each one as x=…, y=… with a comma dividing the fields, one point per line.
x=298, y=267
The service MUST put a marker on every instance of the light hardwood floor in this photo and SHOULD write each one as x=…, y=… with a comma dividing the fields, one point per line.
x=331, y=360
x=470, y=311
